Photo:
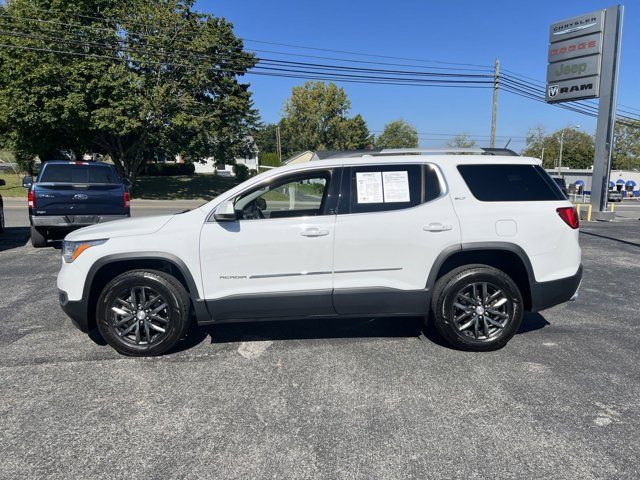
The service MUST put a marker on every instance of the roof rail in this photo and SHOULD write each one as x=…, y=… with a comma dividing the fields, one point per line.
x=436, y=151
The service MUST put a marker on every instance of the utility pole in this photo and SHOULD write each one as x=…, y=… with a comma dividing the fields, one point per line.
x=278, y=144
x=542, y=155
x=494, y=109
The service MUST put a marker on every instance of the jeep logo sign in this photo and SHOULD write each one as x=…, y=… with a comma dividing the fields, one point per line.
x=574, y=68
x=573, y=89
x=574, y=56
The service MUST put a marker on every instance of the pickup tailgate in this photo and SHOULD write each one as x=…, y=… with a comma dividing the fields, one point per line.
x=79, y=199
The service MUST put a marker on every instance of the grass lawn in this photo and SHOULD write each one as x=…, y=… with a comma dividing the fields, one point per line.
x=182, y=187
x=13, y=188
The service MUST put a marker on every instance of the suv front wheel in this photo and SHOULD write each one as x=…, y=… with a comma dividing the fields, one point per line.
x=477, y=307
x=143, y=312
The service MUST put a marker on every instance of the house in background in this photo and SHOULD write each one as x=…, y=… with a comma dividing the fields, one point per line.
x=211, y=166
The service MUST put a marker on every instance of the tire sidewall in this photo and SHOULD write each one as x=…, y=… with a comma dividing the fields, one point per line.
x=444, y=312
x=104, y=314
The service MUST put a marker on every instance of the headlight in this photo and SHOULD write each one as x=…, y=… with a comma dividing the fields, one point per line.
x=72, y=250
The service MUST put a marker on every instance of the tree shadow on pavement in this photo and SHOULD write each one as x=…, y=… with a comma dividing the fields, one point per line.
x=13, y=237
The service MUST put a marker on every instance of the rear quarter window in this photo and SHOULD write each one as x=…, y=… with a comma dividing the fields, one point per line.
x=510, y=183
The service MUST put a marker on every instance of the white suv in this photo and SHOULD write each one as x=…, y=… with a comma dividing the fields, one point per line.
x=469, y=241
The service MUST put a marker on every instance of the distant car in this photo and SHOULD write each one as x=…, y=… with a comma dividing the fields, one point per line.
x=562, y=184
x=615, y=196
x=69, y=195
x=2, y=183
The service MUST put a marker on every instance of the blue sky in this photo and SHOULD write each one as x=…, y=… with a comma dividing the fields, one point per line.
x=466, y=31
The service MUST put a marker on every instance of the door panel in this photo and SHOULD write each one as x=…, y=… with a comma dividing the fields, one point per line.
x=277, y=259
x=384, y=257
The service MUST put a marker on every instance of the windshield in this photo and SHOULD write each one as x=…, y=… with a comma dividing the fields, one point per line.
x=74, y=173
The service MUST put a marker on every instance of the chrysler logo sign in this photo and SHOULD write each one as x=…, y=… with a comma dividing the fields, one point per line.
x=574, y=26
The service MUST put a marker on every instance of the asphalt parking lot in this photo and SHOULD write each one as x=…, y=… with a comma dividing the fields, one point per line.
x=325, y=399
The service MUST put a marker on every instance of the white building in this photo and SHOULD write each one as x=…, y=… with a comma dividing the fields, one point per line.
x=211, y=166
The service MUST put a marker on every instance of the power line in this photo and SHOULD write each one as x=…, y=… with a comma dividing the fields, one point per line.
x=304, y=47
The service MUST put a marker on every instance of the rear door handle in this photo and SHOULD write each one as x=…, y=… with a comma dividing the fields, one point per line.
x=437, y=227
x=314, y=232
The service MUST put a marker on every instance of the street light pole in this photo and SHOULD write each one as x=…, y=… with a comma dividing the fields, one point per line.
x=562, y=147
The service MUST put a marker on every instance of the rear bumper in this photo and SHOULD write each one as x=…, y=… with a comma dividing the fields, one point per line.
x=549, y=294
x=66, y=221
x=76, y=311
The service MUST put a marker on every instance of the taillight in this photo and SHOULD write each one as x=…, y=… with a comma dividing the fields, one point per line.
x=31, y=199
x=569, y=215
x=126, y=199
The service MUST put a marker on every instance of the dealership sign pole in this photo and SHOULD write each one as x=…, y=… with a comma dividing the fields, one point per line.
x=584, y=56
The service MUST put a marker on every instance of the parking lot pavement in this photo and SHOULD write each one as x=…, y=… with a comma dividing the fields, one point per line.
x=326, y=399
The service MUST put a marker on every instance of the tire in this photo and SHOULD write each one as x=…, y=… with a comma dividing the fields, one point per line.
x=38, y=239
x=142, y=339
x=1, y=218
x=452, y=311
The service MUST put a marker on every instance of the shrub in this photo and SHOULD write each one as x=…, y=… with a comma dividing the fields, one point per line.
x=269, y=159
x=241, y=171
x=166, y=169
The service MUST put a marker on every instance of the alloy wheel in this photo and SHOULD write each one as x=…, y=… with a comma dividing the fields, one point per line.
x=140, y=315
x=481, y=311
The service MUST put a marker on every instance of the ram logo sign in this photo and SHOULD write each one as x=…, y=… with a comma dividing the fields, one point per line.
x=572, y=90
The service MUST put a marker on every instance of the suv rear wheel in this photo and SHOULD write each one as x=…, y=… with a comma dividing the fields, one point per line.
x=477, y=307
x=143, y=312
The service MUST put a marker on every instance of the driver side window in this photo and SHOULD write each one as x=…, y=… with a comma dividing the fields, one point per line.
x=293, y=196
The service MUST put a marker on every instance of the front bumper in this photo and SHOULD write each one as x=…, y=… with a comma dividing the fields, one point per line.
x=549, y=294
x=76, y=310
x=66, y=221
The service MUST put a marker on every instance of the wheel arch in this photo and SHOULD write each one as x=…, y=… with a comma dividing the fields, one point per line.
x=507, y=257
x=110, y=266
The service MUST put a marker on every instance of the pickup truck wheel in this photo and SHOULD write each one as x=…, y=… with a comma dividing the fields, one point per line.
x=477, y=308
x=38, y=239
x=143, y=312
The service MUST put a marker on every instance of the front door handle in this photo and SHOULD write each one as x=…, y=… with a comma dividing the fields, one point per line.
x=437, y=227
x=314, y=232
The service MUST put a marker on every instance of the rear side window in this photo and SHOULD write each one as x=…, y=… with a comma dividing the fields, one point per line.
x=510, y=183
x=72, y=173
x=379, y=188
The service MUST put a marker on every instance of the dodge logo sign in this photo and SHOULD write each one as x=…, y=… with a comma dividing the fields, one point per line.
x=553, y=90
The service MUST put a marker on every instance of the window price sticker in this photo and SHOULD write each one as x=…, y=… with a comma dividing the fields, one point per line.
x=396, y=186
x=369, y=186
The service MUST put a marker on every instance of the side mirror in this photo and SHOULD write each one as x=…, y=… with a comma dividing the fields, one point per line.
x=2, y=182
x=126, y=182
x=225, y=212
x=27, y=181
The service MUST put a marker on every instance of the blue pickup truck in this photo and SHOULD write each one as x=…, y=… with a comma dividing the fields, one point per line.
x=70, y=195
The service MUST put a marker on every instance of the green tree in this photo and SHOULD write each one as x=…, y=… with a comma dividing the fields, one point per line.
x=265, y=138
x=315, y=118
x=398, y=134
x=354, y=134
x=136, y=80
x=626, y=147
x=577, y=152
x=462, y=140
